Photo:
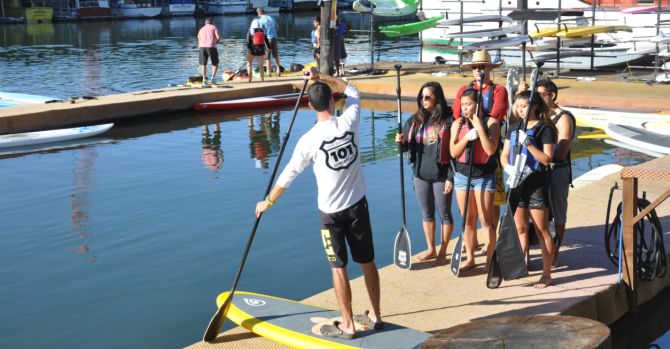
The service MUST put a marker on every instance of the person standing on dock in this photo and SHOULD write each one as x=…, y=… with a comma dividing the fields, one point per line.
x=208, y=37
x=332, y=147
x=316, y=40
x=425, y=136
x=255, y=48
x=270, y=27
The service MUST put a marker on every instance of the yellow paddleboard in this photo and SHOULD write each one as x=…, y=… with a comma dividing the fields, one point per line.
x=549, y=31
x=590, y=30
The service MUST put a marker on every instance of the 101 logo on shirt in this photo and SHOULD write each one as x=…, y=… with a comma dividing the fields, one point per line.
x=341, y=152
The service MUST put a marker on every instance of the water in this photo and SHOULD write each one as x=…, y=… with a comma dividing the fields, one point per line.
x=125, y=242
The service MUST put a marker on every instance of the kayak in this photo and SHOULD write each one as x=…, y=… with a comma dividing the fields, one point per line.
x=486, y=32
x=590, y=30
x=599, y=118
x=475, y=19
x=639, y=137
x=386, y=8
x=15, y=99
x=51, y=136
x=496, y=44
x=253, y=102
x=393, y=31
x=550, y=43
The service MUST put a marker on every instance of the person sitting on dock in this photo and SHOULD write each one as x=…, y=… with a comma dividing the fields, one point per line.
x=560, y=177
x=208, y=37
x=270, y=27
x=332, y=147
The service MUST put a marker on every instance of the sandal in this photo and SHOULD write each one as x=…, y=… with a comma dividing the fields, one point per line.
x=365, y=320
x=333, y=331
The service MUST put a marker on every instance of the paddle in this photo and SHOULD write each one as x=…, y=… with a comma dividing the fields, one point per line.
x=219, y=317
x=402, y=250
x=231, y=77
x=507, y=260
x=456, y=255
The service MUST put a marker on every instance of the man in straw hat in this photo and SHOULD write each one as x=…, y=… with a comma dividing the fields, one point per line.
x=495, y=104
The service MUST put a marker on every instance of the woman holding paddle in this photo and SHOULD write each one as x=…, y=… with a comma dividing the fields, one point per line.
x=426, y=137
x=530, y=195
x=484, y=133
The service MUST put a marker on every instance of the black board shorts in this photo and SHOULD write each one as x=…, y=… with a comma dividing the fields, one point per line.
x=208, y=53
x=532, y=193
x=349, y=226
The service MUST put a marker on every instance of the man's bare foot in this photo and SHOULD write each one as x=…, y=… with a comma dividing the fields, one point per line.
x=468, y=265
x=544, y=282
x=441, y=259
x=426, y=255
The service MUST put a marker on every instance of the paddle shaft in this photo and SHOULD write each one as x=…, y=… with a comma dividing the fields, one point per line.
x=402, y=171
x=219, y=318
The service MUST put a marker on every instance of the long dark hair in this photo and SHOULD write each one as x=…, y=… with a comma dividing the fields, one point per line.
x=539, y=107
x=442, y=115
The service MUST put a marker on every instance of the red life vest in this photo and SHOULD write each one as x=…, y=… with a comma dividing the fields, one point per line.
x=480, y=156
x=259, y=37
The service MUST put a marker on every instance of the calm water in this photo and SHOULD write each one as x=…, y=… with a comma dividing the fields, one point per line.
x=125, y=242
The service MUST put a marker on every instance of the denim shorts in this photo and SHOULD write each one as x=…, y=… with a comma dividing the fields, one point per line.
x=487, y=182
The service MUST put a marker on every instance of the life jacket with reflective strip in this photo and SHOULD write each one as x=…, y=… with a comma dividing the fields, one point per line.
x=481, y=158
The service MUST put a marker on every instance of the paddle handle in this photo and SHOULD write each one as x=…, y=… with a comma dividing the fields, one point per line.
x=219, y=318
x=402, y=171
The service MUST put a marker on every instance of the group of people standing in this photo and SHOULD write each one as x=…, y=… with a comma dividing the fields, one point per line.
x=442, y=143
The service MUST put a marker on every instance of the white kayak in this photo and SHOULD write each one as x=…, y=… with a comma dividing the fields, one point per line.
x=51, y=136
x=599, y=118
x=474, y=19
x=595, y=175
x=8, y=99
x=496, y=44
x=639, y=137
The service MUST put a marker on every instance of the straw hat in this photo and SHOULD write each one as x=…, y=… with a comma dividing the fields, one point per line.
x=481, y=57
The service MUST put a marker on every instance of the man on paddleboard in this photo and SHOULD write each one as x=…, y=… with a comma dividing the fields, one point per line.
x=332, y=147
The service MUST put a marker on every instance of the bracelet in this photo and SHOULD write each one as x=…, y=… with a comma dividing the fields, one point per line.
x=270, y=202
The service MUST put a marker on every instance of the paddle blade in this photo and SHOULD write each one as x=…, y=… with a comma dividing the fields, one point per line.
x=455, y=265
x=217, y=321
x=508, y=248
x=494, y=277
x=402, y=250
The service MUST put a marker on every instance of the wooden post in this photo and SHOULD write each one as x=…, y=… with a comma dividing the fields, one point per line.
x=629, y=267
x=327, y=49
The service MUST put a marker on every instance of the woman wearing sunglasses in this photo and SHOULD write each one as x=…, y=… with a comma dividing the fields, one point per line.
x=426, y=137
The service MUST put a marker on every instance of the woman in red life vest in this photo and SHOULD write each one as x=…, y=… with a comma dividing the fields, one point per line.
x=484, y=133
x=426, y=137
x=530, y=195
x=255, y=48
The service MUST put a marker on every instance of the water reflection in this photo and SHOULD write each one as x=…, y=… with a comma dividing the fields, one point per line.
x=263, y=137
x=80, y=203
x=212, y=154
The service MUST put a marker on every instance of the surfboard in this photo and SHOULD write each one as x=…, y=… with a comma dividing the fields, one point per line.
x=290, y=323
x=595, y=175
x=41, y=137
x=639, y=137
x=475, y=19
x=496, y=44
x=590, y=30
x=599, y=118
x=486, y=32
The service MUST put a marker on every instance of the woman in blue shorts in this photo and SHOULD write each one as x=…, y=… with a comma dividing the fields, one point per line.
x=484, y=133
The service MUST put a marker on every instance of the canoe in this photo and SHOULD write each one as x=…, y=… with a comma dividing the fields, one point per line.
x=386, y=8
x=590, y=30
x=599, y=118
x=475, y=19
x=639, y=137
x=296, y=324
x=496, y=44
x=486, y=32
x=393, y=31
x=253, y=102
x=41, y=137
x=8, y=99
x=595, y=175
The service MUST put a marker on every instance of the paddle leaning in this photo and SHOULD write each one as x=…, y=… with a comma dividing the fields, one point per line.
x=219, y=317
x=402, y=249
x=456, y=255
x=508, y=261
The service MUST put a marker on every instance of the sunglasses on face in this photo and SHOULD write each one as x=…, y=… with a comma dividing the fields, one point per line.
x=479, y=67
x=427, y=97
x=545, y=93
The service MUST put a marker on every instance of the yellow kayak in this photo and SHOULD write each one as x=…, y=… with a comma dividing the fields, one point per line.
x=590, y=30
x=548, y=31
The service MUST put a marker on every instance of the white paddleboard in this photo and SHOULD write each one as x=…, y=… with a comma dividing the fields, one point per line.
x=639, y=137
x=41, y=137
x=496, y=44
x=599, y=118
x=595, y=175
x=8, y=99
x=623, y=145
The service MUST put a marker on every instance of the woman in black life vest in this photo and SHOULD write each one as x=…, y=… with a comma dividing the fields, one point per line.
x=485, y=134
x=255, y=48
x=426, y=137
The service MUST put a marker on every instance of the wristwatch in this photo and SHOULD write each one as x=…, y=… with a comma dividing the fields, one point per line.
x=527, y=142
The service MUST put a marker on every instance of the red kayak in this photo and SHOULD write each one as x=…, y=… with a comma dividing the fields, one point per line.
x=254, y=102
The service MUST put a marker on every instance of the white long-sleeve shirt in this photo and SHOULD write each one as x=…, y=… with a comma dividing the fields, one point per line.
x=332, y=147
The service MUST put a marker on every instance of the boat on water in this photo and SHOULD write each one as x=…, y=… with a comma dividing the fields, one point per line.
x=72, y=10
x=133, y=9
x=179, y=8
x=447, y=43
x=31, y=12
x=226, y=7
x=305, y=5
x=389, y=8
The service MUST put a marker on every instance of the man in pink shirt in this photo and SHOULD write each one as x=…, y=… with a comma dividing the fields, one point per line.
x=208, y=37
